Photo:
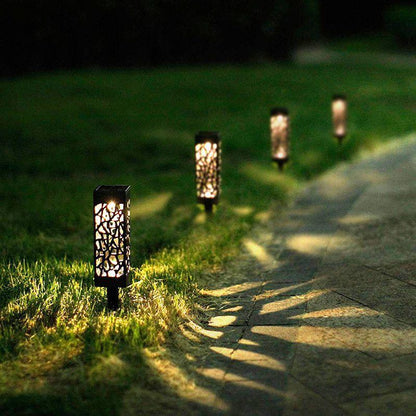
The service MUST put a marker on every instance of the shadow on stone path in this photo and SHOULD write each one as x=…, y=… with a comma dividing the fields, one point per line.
x=323, y=322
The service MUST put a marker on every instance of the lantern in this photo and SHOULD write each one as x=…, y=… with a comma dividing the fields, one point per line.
x=208, y=168
x=339, y=116
x=112, y=239
x=279, y=135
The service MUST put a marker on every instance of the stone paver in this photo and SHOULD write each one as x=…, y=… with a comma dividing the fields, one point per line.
x=325, y=321
x=400, y=403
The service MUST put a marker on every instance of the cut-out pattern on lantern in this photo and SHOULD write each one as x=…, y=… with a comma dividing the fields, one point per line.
x=280, y=135
x=339, y=116
x=112, y=235
x=208, y=167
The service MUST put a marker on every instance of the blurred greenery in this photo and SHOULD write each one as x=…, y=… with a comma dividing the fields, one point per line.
x=65, y=133
x=376, y=43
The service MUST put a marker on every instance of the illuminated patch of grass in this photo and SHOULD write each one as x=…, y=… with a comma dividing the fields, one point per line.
x=64, y=134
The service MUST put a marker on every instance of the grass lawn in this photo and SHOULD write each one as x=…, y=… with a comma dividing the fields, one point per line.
x=63, y=134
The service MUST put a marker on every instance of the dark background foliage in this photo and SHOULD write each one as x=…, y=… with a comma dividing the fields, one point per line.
x=51, y=34
x=341, y=18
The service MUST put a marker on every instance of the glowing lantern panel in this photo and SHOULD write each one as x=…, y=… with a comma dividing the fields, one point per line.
x=112, y=237
x=339, y=116
x=280, y=135
x=208, y=167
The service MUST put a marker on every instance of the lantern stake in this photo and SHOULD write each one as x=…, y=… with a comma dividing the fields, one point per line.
x=112, y=298
x=281, y=164
x=208, y=206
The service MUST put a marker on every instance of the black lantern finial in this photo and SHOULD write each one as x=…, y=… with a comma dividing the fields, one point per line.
x=339, y=116
x=112, y=239
x=280, y=135
x=208, y=168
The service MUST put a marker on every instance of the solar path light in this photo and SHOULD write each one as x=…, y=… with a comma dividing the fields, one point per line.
x=208, y=168
x=339, y=116
x=112, y=239
x=280, y=135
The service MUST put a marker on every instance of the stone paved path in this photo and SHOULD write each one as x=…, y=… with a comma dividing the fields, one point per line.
x=325, y=322
x=321, y=54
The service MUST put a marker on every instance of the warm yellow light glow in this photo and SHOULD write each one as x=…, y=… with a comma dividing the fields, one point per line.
x=268, y=293
x=258, y=252
x=112, y=206
x=351, y=219
x=279, y=129
x=258, y=359
x=248, y=342
x=109, y=223
x=243, y=210
x=210, y=333
x=383, y=341
x=231, y=290
x=222, y=321
x=255, y=358
x=151, y=205
x=201, y=218
x=207, y=165
x=340, y=311
x=263, y=216
x=339, y=117
x=281, y=305
x=309, y=243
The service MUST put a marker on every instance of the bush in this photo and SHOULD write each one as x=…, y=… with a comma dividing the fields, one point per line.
x=401, y=22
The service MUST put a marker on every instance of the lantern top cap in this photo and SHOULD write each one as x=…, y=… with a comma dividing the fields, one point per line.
x=207, y=135
x=279, y=110
x=339, y=97
x=117, y=193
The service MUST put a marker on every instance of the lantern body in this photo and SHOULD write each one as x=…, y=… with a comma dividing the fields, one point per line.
x=208, y=167
x=339, y=116
x=280, y=135
x=112, y=236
